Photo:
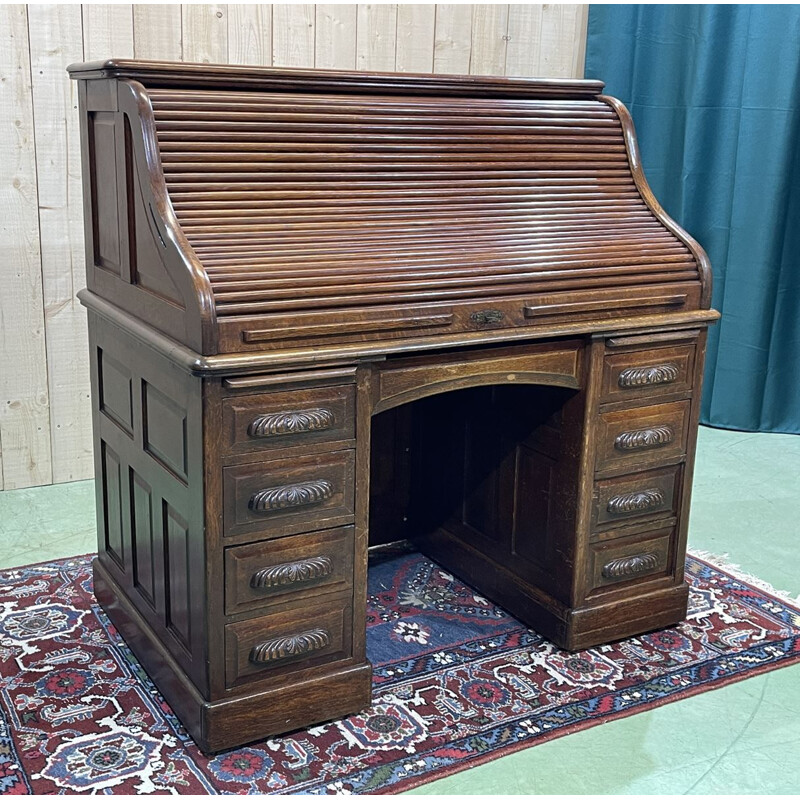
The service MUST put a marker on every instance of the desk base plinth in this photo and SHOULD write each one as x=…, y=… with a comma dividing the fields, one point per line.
x=238, y=720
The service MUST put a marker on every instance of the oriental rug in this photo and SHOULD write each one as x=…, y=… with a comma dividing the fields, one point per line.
x=457, y=682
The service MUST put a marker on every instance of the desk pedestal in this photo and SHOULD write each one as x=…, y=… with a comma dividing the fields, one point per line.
x=235, y=511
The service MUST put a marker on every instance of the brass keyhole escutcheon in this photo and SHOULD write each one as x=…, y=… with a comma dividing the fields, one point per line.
x=490, y=316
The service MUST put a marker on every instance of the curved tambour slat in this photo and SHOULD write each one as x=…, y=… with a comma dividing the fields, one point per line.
x=309, y=274
x=303, y=264
x=421, y=147
x=299, y=201
x=390, y=199
x=364, y=220
x=331, y=287
x=402, y=113
x=247, y=249
x=427, y=175
x=368, y=187
x=251, y=305
x=248, y=246
x=327, y=298
x=314, y=224
x=308, y=268
x=210, y=160
x=289, y=131
x=641, y=228
x=368, y=210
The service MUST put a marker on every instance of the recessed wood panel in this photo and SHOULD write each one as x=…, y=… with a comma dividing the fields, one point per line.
x=143, y=543
x=112, y=505
x=390, y=475
x=164, y=430
x=115, y=390
x=107, y=253
x=480, y=498
x=147, y=245
x=531, y=532
x=178, y=612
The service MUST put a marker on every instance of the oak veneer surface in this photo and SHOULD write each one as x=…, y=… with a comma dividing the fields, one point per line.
x=334, y=206
x=329, y=310
x=309, y=201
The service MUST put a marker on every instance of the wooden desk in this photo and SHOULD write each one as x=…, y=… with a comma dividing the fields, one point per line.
x=329, y=310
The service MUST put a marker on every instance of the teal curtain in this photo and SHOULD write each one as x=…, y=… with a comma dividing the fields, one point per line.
x=714, y=91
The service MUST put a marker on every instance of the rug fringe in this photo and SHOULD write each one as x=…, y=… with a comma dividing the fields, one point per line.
x=723, y=562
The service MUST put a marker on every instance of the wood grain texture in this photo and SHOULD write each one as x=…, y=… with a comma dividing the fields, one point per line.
x=335, y=44
x=452, y=43
x=406, y=38
x=563, y=212
x=524, y=39
x=25, y=409
x=250, y=34
x=57, y=41
x=559, y=22
x=205, y=33
x=157, y=31
x=489, y=39
x=415, y=37
x=293, y=35
x=351, y=218
x=107, y=30
x=376, y=36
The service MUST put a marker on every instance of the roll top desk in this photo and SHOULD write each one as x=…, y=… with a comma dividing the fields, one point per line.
x=330, y=310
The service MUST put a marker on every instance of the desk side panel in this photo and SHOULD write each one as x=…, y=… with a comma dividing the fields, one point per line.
x=135, y=255
x=149, y=486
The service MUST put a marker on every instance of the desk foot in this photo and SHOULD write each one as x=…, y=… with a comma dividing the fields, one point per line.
x=238, y=719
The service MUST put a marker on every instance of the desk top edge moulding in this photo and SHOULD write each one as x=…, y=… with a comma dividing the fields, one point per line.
x=330, y=310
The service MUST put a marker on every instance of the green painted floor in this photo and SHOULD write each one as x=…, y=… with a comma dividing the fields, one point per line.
x=741, y=739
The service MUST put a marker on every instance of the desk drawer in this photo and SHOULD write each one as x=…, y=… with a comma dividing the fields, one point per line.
x=292, y=567
x=295, y=639
x=635, y=498
x=648, y=372
x=275, y=420
x=642, y=437
x=624, y=562
x=276, y=498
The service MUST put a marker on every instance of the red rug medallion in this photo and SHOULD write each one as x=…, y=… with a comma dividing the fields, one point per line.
x=457, y=682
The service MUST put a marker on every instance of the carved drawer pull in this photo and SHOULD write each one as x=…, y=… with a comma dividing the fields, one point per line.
x=308, y=493
x=292, y=572
x=646, y=500
x=287, y=422
x=633, y=565
x=297, y=644
x=645, y=438
x=634, y=377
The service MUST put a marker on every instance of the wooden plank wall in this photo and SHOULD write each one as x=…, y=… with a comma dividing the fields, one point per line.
x=45, y=434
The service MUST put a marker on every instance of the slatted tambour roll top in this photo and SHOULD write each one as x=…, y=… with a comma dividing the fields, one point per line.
x=323, y=207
